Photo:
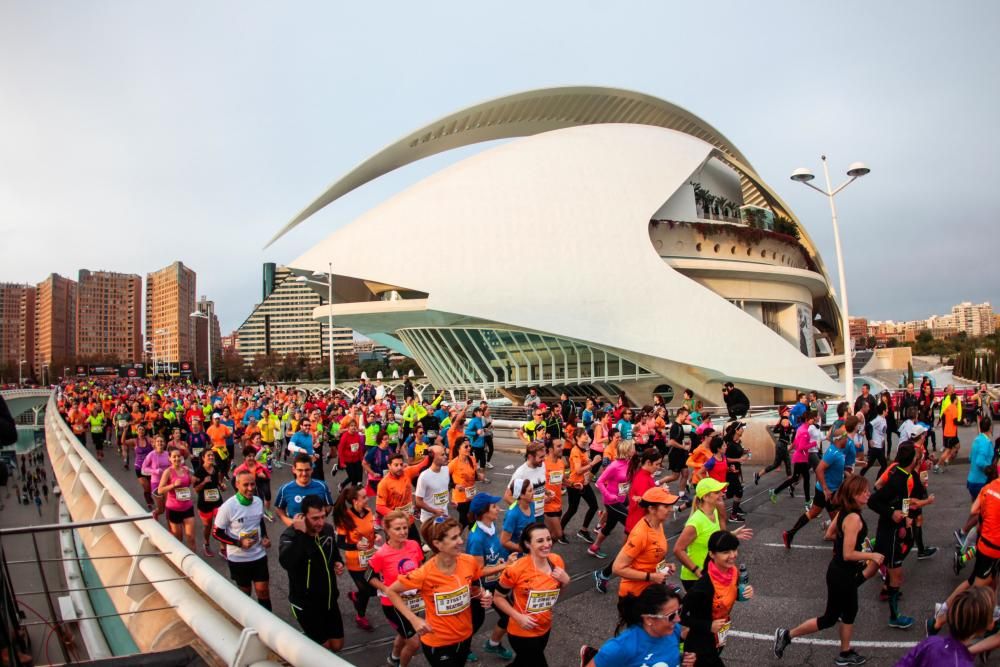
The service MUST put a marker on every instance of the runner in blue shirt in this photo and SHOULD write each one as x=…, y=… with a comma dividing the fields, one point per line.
x=829, y=477
x=652, y=633
x=288, y=499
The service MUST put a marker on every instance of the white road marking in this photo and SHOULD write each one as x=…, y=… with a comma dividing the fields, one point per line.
x=822, y=642
x=800, y=546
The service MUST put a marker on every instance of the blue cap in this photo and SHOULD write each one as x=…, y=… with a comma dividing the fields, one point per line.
x=481, y=502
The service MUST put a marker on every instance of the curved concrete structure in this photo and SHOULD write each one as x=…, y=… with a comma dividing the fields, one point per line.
x=536, y=262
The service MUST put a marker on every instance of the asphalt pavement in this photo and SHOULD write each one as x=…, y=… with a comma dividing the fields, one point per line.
x=789, y=585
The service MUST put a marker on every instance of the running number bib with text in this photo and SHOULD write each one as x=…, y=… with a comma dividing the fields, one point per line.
x=539, y=601
x=452, y=602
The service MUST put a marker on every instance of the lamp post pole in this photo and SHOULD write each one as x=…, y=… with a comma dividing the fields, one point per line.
x=329, y=323
x=854, y=172
x=20, y=373
x=207, y=316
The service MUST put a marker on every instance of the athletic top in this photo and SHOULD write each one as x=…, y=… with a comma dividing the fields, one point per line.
x=697, y=551
x=838, y=541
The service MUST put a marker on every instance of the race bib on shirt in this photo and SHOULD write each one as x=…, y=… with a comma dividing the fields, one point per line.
x=183, y=493
x=415, y=603
x=212, y=495
x=556, y=477
x=363, y=557
x=355, y=446
x=440, y=499
x=252, y=535
x=663, y=568
x=623, y=488
x=539, y=601
x=539, y=500
x=452, y=602
x=470, y=491
x=906, y=506
x=722, y=634
x=408, y=508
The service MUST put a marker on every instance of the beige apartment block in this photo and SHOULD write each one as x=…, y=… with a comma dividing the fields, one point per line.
x=109, y=316
x=55, y=322
x=17, y=326
x=170, y=300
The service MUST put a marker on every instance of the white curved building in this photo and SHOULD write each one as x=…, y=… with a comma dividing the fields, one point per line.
x=615, y=243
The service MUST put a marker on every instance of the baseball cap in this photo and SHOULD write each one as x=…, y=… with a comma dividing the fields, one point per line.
x=659, y=495
x=917, y=431
x=216, y=415
x=481, y=502
x=708, y=485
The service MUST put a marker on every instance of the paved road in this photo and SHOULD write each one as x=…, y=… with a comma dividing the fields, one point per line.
x=789, y=585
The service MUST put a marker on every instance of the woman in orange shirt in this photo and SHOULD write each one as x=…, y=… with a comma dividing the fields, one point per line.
x=355, y=525
x=535, y=580
x=555, y=482
x=579, y=487
x=464, y=472
x=448, y=583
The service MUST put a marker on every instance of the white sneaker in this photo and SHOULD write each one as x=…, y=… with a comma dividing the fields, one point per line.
x=489, y=466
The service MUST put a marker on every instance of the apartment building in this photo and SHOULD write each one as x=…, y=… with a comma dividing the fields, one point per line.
x=109, y=316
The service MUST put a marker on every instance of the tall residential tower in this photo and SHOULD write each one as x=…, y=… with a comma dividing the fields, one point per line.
x=108, y=317
x=170, y=300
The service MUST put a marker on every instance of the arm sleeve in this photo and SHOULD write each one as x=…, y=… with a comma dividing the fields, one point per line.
x=291, y=548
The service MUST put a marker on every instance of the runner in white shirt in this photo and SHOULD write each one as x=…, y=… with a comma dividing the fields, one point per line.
x=876, y=446
x=239, y=526
x=816, y=446
x=432, y=494
x=533, y=470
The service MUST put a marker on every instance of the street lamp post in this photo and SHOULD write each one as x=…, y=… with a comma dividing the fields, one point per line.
x=166, y=331
x=44, y=368
x=855, y=171
x=329, y=316
x=208, y=325
x=20, y=372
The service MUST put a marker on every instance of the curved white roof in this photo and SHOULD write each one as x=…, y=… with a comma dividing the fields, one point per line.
x=521, y=115
x=539, y=234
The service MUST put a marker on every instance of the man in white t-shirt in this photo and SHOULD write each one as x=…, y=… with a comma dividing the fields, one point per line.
x=431, y=495
x=876, y=446
x=533, y=470
x=239, y=525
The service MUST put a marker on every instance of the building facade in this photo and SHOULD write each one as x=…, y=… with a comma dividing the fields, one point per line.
x=109, y=317
x=282, y=323
x=624, y=244
x=55, y=323
x=974, y=319
x=170, y=300
x=205, y=327
x=17, y=329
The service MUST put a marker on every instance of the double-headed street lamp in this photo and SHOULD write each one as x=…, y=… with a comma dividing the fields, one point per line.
x=329, y=314
x=208, y=325
x=854, y=172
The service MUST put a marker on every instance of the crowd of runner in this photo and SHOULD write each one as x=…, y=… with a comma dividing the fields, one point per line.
x=392, y=494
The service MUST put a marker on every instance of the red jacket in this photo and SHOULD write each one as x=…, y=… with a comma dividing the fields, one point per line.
x=351, y=448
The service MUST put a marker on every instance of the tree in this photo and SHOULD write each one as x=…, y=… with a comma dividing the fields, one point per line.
x=231, y=367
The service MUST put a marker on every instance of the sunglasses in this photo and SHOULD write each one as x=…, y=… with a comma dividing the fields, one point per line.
x=671, y=617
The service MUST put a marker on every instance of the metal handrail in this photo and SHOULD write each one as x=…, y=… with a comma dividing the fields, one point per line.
x=239, y=632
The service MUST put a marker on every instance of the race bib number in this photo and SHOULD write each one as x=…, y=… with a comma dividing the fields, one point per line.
x=906, y=506
x=452, y=602
x=470, y=492
x=539, y=500
x=623, y=488
x=662, y=567
x=355, y=446
x=721, y=635
x=440, y=499
x=540, y=601
x=492, y=577
x=212, y=495
x=252, y=535
x=183, y=493
x=363, y=557
x=197, y=451
x=408, y=508
x=924, y=477
x=415, y=604
x=556, y=477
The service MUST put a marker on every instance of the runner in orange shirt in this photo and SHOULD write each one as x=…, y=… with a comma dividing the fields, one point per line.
x=642, y=560
x=535, y=580
x=355, y=525
x=395, y=492
x=464, y=472
x=448, y=584
x=555, y=482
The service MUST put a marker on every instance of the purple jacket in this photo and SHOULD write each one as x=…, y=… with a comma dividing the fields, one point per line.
x=938, y=651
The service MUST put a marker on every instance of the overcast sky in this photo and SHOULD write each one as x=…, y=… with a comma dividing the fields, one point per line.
x=133, y=134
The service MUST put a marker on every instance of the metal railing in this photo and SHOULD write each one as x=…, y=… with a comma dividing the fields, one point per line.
x=240, y=632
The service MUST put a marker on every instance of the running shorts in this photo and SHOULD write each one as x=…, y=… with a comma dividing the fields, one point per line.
x=178, y=516
x=951, y=443
x=397, y=621
x=244, y=574
x=895, y=545
x=319, y=625
x=676, y=459
x=985, y=568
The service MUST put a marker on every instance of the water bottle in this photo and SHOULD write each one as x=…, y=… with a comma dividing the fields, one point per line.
x=744, y=581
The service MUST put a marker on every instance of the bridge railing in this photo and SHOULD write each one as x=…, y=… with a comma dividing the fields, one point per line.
x=237, y=630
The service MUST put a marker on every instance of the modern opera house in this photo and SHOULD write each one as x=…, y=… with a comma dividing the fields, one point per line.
x=613, y=242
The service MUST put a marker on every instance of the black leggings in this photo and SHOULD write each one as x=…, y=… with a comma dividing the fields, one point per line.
x=365, y=592
x=587, y=493
x=463, y=513
x=489, y=447
x=453, y=655
x=799, y=471
x=841, y=596
x=528, y=651
x=614, y=515
x=875, y=454
x=480, y=454
x=355, y=471
x=780, y=456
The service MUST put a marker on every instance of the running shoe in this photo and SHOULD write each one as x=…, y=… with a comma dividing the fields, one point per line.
x=499, y=650
x=824, y=524
x=960, y=536
x=782, y=638
x=773, y=496
x=472, y=657
x=562, y=540
x=808, y=505
x=929, y=627
x=956, y=561
x=269, y=515
x=489, y=466
x=756, y=478
x=208, y=551
x=926, y=553
x=585, y=535
x=901, y=622
x=362, y=622
x=600, y=582
x=738, y=517
x=596, y=553
x=937, y=469
x=791, y=492
x=587, y=654
x=391, y=661
x=786, y=537
x=852, y=657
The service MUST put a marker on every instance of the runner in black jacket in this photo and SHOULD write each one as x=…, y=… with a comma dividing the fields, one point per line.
x=308, y=552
